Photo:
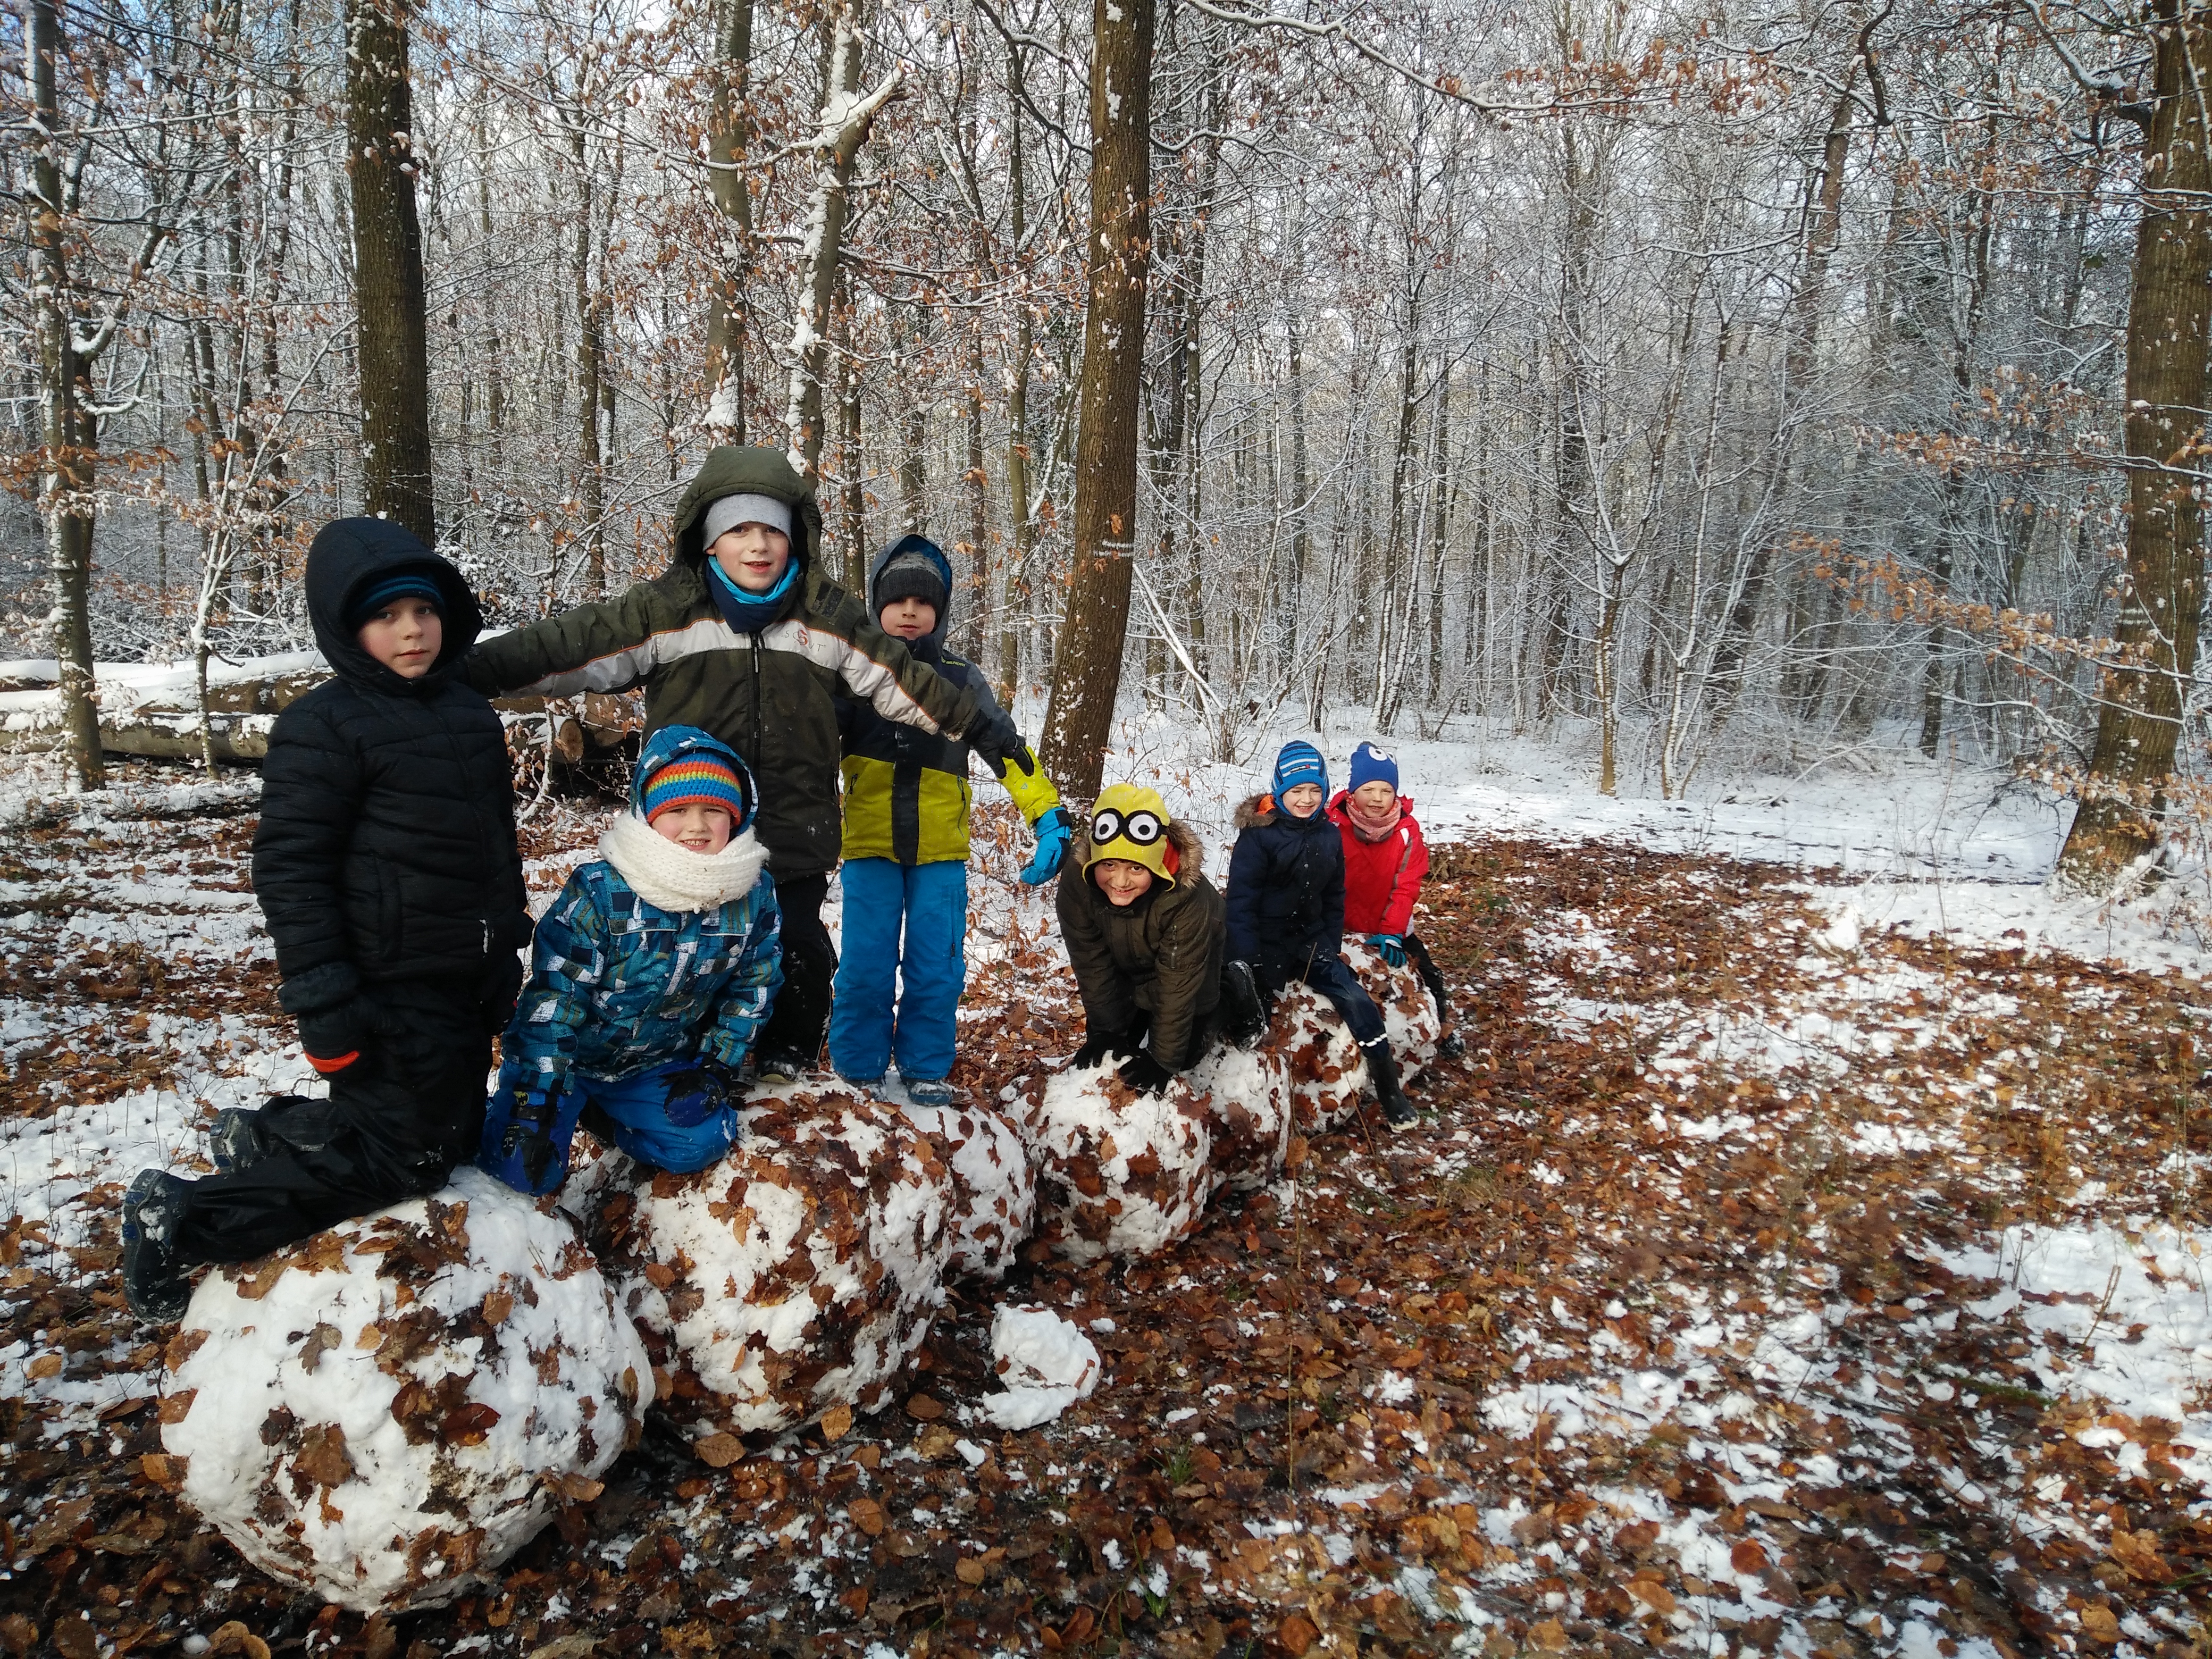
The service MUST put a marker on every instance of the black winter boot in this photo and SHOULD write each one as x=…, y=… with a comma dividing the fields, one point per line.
x=1449, y=1047
x=1382, y=1070
x=1244, y=1009
x=154, y=1282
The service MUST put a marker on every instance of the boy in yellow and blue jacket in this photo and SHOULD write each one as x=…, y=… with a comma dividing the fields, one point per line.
x=905, y=875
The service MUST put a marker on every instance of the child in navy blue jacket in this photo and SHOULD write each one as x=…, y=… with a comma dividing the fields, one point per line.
x=1286, y=909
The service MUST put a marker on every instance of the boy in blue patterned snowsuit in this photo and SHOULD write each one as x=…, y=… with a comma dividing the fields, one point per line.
x=652, y=973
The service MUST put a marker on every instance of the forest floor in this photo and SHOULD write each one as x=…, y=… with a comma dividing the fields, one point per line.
x=1758, y=1282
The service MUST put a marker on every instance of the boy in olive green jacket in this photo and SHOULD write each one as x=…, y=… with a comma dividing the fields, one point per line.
x=747, y=636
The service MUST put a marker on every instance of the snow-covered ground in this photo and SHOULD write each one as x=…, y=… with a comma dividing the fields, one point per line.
x=1940, y=847
x=1847, y=1051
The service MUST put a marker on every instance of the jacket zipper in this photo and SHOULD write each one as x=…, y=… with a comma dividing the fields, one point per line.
x=756, y=700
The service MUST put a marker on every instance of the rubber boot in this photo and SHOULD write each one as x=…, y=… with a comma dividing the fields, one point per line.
x=154, y=1282
x=1382, y=1070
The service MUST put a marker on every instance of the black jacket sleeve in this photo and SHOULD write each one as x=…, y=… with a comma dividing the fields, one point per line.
x=311, y=795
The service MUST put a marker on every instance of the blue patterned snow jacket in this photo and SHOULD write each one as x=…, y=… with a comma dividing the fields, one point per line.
x=652, y=953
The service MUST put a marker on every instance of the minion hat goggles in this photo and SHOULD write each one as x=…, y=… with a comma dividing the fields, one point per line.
x=1131, y=822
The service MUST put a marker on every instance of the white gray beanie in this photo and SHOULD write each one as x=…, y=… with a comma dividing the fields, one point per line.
x=726, y=513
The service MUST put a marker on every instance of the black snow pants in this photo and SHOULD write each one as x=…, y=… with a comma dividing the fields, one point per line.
x=397, y=1121
x=801, y=1015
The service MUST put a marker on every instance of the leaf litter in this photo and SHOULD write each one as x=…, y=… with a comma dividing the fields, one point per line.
x=1753, y=1283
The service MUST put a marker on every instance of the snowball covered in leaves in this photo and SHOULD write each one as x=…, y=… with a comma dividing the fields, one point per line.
x=994, y=1190
x=384, y=1412
x=799, y=1273
x=1247, y=1095
x=1326, y=1070
x=1119, y=1173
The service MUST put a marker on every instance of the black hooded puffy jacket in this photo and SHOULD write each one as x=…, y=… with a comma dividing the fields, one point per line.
x=386, y=846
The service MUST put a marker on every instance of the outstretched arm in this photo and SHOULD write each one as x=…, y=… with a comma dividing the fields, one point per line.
x=608, y=647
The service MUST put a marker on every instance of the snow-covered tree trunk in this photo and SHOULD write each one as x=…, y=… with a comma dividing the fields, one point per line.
x=65, y=430
x=840, y=131
x=728, y=125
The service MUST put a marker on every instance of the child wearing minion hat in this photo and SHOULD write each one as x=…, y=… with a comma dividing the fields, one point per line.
x=1145, y=930
x=654, y=972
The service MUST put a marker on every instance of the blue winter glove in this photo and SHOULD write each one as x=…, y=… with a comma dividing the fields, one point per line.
x=1392, y=946
x=1053, y=834
x=518, y=1146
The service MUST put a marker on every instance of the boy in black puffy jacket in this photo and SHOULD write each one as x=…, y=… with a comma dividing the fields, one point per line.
x=1286, y=909
x=387, y=866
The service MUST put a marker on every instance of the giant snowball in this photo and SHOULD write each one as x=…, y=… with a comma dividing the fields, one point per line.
x=1119, y=1173
x=1409, y=1013
x=1327, y=1071
x=799, y=1273
x=994, y=1190
x=1247, y=1095
x=384, y=1412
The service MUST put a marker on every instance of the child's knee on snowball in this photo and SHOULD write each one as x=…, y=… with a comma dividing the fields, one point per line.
x=662, y=950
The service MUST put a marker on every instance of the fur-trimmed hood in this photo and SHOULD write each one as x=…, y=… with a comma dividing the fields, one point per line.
x=1261, y=808
x=1189, y=851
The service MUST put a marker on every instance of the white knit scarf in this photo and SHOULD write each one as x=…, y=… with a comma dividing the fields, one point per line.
x=668, y=874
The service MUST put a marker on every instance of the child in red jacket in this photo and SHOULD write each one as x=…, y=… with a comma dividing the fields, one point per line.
x=1384, y=859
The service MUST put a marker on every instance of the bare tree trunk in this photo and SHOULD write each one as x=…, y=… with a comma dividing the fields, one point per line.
x=725, y=153
x=66, y=431
x=591, y=368
x=388, y=241
x=851, y=457
x=841, y=130
x=1301, y=530
x=1087, y=662
x=2139, y=719
x=1018, y=410
x=978, y=480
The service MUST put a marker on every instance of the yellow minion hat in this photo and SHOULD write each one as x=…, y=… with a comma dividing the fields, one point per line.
x=1131, y=822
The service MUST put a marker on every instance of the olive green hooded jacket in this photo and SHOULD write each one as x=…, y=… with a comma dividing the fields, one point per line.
x=1160, y=957
x=771, y=695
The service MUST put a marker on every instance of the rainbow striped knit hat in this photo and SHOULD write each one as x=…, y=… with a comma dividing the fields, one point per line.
x=700, y=778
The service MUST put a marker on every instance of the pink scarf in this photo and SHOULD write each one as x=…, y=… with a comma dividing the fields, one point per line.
x=1374, y=826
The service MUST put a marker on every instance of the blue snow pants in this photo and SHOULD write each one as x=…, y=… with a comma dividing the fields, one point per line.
x=676, y=1131
x=1334, y=978
x=916, y=978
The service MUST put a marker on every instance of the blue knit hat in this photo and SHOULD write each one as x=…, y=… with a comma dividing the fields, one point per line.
x=1300, y=763
x=1373, y=765
x=417, y=584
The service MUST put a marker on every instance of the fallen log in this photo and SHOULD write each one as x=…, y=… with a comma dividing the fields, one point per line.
x=151, y=711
